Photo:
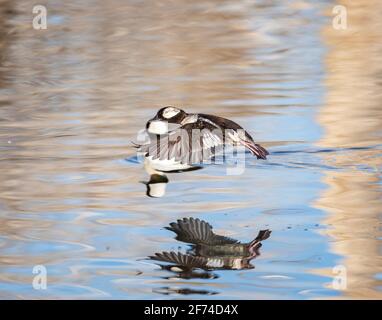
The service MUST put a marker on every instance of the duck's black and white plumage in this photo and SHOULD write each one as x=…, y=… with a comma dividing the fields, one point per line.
x=182, y=139
x=210, y=251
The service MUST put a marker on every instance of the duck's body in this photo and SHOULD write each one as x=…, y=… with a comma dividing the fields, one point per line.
x=181, y=140
x=210, y=251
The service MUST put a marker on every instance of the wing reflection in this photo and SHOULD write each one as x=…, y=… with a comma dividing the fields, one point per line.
x=209, y=251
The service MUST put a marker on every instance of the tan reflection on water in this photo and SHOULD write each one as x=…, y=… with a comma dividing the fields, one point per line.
x=73, y=96
x=352, y=117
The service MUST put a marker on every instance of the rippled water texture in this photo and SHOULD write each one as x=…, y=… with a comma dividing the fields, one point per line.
x=72, y=97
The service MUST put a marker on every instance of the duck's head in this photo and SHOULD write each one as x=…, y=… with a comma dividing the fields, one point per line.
x=160, y=123
x=156, y=187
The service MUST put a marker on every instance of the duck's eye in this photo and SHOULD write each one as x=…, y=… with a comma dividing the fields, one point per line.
x=170, y=113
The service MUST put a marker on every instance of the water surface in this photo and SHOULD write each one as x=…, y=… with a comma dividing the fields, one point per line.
x=72, y=97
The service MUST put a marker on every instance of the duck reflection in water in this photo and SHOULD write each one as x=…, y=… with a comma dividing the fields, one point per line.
x=209, y=251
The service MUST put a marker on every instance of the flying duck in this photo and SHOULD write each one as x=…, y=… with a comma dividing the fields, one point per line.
x=210, y=251
x=179, y=140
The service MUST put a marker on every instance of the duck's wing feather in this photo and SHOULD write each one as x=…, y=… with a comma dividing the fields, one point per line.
x=232, y=130
x=193, y=143
x=180, y=259
x=197, y=231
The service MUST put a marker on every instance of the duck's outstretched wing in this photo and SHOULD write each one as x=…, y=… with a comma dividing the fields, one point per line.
x=180, y=259
x=197, y=231
x=193, y=143
x=237, y=134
